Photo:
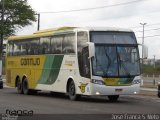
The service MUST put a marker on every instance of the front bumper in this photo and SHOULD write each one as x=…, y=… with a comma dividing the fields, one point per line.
x=114, y=90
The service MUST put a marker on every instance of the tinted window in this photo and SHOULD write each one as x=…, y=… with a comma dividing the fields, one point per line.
x=113, y=37
x=105, y=61
x=24, y=47
x=10, y=48
x=83, y=61
x=128, y=57
x=82, y=39
x=45, y=45
x=56, y=44
x=85, y=68
x=59, y=44
x=33, y=47
x=68, y=44
x=16, y=48
x=115, y=60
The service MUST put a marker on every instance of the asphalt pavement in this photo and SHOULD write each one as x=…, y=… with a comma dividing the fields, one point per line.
x=45, y=103
x=57, y=106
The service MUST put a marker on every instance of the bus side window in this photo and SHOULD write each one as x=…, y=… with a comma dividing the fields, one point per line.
x=10, y=48
x=45, y=45
x=56, y=44
x=24, y=48
x=85, y=62
x=68, y=44
x=35, y=47
x=17, y=48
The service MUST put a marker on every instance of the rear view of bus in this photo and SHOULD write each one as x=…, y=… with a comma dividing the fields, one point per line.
x=114, y=63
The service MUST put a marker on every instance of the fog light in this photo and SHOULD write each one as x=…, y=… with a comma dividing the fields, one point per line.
x=97, y=93
x=135, y=92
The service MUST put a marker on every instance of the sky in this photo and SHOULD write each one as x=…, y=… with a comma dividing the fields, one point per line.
x=109, y=13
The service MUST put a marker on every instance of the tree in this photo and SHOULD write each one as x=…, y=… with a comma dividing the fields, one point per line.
x=17, y=14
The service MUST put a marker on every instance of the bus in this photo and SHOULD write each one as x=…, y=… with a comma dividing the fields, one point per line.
x=78, y=61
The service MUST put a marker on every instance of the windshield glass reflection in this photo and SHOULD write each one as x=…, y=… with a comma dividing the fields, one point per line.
x=115, y=61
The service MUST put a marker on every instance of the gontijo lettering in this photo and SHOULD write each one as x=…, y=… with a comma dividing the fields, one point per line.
x=30, y=61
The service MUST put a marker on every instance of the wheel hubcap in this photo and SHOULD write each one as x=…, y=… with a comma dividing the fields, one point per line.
x=72, y=89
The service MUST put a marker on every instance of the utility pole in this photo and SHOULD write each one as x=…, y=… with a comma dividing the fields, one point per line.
x=38, y=26
x=154, y=81
x=154, y=61
x=143, y=24
x=2, y=30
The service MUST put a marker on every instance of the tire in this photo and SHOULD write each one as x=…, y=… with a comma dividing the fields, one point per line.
x=26, y=91
x=72, y=92
x=1, y=87
x=113, y=98
x=19, y=86
x=159, y=94
x=1, y=84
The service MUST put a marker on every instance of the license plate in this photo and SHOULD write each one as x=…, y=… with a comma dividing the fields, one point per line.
x=118, y=90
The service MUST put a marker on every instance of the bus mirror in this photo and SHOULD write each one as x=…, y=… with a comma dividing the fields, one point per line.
x=91, y=49
x=145, y=51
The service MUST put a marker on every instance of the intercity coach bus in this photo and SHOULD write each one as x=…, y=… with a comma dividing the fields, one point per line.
x=76, y=61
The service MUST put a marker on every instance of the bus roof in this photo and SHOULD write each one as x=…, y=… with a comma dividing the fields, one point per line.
x=106, y=29
x=50, y=32
x=42, y=33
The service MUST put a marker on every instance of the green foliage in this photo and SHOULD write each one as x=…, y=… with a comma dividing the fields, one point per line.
x=149, y=69
x=158, y=69
x=17, y=14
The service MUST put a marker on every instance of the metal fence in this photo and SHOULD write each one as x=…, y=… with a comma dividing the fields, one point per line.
x=152, y=76
x=150, y=80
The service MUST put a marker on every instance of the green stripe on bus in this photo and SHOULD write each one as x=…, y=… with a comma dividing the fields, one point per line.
x=51, y=69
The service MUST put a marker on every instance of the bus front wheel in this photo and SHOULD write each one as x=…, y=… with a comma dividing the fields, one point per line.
x=113, y=98
x=72, y=91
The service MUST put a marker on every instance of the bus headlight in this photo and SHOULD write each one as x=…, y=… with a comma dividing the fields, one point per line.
x=137, y=81
x=100, y=82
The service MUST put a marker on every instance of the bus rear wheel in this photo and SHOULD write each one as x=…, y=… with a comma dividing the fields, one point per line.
x=113, y=98
x=19, y=86
x=25, y=86
x=26, y=89
x=72, y=91
x=159, y=94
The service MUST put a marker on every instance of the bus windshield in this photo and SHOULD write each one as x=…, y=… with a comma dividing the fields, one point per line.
x=115, y=59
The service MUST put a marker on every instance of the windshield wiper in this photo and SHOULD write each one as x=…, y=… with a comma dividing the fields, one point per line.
x=121, y=64
x=99, y=63
x=109, y=61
